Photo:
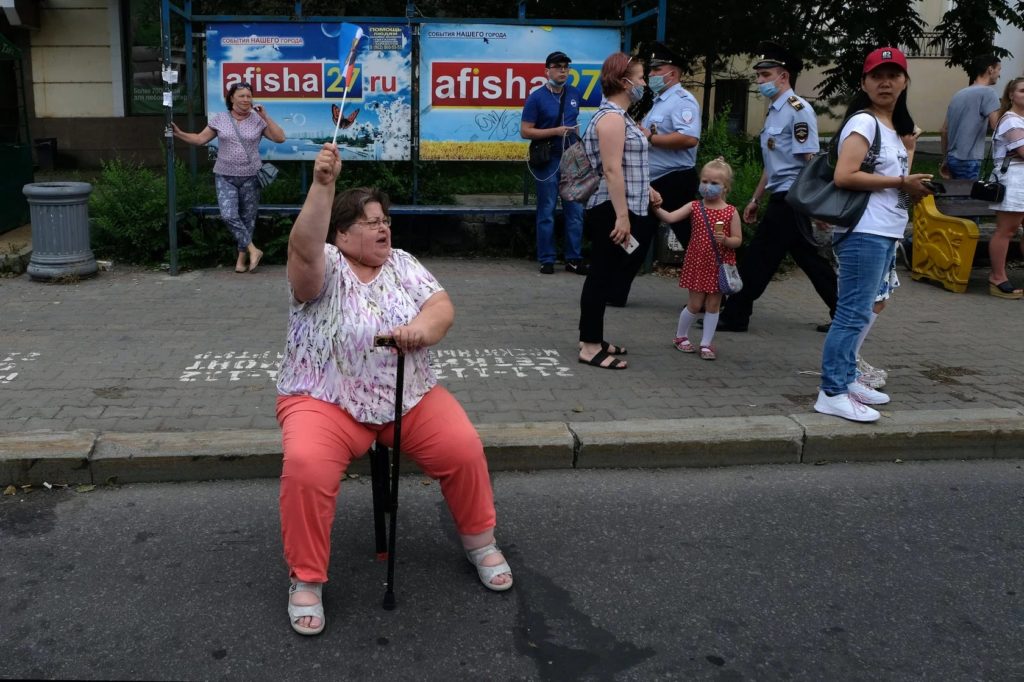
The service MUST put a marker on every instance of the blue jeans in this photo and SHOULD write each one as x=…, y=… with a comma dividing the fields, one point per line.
x=547, y=197
x=863, y=263
x=964, y=170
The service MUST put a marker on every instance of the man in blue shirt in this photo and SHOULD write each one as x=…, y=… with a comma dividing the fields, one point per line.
x=788, y=140
x=549, y=116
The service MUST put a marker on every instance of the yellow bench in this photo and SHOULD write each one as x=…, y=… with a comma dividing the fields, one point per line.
x=944, y=245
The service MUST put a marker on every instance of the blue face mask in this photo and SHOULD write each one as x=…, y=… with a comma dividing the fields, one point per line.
x=709, y=190
x=636, y=93
x=656, y=83
x=769, y=89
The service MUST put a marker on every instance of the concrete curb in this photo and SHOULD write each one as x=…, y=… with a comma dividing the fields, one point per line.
x=91, y=457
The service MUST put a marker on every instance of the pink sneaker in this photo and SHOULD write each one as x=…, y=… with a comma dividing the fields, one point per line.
x=683, y=344
x=707, y=353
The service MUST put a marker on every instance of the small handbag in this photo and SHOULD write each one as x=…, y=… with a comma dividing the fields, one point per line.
x=814, y=192
x=266, y=174
x=540, y=152
x=729, y=281
x=991, y=190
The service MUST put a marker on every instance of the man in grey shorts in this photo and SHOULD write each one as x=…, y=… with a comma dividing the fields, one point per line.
x=971, y=113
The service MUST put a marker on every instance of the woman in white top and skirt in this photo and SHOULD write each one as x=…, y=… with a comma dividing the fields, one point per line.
x=1007, y=143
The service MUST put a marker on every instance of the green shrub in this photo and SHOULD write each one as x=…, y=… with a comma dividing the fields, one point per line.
x=128, y=211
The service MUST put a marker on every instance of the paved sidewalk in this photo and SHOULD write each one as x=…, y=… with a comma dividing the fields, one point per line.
x=137, y=366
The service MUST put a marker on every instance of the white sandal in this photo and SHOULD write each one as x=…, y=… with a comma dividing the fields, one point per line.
x=489, y=573
x=295, y=612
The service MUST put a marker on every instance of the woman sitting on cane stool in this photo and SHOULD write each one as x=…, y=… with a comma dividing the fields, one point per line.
x=336, y=391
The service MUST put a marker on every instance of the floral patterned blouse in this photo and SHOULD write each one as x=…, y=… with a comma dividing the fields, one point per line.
x=329, y=352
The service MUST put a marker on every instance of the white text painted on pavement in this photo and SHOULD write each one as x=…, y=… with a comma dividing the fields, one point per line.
x=448, y=363
x=233, y=366
x=10, y=363
x=484, y=363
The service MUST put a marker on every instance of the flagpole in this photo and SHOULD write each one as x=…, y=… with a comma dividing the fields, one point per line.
x=347, y=61
x=341, y=112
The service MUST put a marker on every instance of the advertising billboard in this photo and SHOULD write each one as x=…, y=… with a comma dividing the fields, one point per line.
x=475, y=78
x=295, y=72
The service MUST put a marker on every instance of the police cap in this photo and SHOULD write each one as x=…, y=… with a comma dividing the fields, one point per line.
x=658, y=54
x=772, y=54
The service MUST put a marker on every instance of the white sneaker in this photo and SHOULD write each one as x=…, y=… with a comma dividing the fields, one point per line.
x=870, y=376
x=845, y=406
x=866, y=394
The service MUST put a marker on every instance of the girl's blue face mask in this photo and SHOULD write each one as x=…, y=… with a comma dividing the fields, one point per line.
x=710, y=190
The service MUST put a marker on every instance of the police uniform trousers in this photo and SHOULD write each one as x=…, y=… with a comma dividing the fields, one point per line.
x=777, y=234
x=676, y=188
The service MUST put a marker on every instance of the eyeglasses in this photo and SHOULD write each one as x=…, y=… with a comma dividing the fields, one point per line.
x=559, y=67
x=377, y=223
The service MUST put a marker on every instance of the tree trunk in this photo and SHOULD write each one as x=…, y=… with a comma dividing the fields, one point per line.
x=705, y=109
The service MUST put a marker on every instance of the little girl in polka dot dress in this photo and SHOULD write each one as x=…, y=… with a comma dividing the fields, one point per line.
x=700, y=267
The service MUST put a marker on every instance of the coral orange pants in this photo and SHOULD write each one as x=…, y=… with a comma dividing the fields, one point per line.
x=320, y=439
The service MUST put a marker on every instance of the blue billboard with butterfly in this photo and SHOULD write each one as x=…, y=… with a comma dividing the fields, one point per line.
x=315, y=88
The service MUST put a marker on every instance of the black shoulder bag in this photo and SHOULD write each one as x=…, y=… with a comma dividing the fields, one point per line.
x=540, y=150
x=814, y=193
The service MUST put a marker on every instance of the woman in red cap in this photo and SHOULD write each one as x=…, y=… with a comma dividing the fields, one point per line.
x=879, y=110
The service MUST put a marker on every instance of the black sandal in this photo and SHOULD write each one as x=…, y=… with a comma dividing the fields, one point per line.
x=607, y=348
x=1004, y=290
x=600, y=357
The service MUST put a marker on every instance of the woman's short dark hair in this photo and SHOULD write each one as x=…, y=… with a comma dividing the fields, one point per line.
x=615, y=68
x=233, y=89
x=350, y=206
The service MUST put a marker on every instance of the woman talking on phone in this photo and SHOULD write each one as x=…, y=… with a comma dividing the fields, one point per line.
x=240, y=130
x=617, y=148
x=879, y=108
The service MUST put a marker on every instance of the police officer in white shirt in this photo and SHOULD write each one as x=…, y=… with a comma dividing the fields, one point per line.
x=672, y=129
x=788, y=140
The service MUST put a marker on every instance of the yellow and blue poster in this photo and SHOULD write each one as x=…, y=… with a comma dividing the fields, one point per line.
x=297, y=72
x=475, y=78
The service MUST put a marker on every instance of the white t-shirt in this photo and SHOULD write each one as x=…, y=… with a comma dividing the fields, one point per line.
x=1008, y=136
x=886, y=214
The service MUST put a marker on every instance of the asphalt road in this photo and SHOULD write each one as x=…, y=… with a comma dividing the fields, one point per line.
x=840, y=572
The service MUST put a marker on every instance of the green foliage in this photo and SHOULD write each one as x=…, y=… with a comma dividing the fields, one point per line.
x=128, y=211
x=969, y=28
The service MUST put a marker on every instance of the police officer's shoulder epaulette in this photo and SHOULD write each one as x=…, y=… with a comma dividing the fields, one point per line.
x=795, y=102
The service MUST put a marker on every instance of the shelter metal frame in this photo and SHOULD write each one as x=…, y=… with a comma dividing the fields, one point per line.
x=412, y=18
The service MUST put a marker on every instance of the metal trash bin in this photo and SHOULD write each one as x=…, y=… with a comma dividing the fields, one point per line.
x=59, y=212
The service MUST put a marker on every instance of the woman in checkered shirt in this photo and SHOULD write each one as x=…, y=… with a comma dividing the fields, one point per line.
x=617, y=148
